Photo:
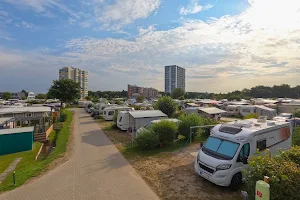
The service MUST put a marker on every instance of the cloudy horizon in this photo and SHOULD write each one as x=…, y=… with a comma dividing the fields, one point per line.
x=224, y=45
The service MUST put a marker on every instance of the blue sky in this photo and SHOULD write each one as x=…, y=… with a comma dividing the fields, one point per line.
x=223, y=44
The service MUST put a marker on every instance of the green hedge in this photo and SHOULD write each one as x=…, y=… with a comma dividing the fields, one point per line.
x=147, y=140
x=284, y=173
x=166, y=131
x=296, y=136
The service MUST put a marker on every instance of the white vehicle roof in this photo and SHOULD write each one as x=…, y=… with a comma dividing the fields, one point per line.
x=117, y=107
x=241, y=130
x=171, y=120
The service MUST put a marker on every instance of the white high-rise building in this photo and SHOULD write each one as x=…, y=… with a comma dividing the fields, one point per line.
x=77, y=75
x=174, y=78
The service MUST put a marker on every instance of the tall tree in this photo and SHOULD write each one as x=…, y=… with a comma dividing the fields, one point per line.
x=41, y=96
x=6, y=95
x=140, y=99
x=65, y=90
x=167, y=105
x=177, y=92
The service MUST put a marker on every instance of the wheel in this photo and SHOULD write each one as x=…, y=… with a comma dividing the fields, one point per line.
x=236, y=182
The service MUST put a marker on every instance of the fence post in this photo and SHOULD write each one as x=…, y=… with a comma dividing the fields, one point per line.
x=14, y=178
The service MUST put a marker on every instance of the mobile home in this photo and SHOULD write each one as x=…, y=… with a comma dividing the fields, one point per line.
x=225, y=153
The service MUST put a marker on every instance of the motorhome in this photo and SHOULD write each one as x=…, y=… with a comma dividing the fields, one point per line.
x=246, y=110
x=225, y=153
x=102, y=106
x=109, y=112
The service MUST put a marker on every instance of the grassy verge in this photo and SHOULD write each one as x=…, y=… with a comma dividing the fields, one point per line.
x=52, y=135
x=28, y=167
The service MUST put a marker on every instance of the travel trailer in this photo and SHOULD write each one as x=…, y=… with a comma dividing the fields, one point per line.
x=246, y=110
x=133, y=120
x=109, y=112
x=102, y=106
x=225, y=153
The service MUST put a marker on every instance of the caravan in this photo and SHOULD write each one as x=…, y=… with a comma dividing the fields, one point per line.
x=109, y=112
x=225, y=153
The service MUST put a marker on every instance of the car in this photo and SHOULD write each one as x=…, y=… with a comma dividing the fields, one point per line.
x=149, y=125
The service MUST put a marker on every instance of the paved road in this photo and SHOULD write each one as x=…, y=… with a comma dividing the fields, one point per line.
x=97, y=170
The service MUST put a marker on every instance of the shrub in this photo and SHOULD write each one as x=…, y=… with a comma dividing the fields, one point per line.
x=284, y=176
x=178, y=113
x=147, y=140
x=166, y=104
x=186, y=121
x=251, y=116
x=63, y=116
x=296, y=136
x=292, y=154
x=166, y=131
x=297, y=113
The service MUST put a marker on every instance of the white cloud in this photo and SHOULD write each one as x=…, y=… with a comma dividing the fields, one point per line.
x=42, y=6
x=27, y=25
x=222, y=54
x=194, y=8
x=123, y=12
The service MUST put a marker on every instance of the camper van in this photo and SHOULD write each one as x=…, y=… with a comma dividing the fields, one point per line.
x=109, y=112
x=225, y=153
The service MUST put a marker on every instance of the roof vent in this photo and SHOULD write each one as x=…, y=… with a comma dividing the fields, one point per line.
x=262, y=119
x=243, y=123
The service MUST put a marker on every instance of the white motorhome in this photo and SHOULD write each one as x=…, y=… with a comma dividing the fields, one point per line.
x=109, y=112
x=246, y=110
x=225, y=153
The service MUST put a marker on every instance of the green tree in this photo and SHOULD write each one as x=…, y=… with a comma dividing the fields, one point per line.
x=166, y=104
x=25, y=92
x=88, y=98
x=181, y=98
x=177, y=92
x=106, y=96
x=41, y=96
x=23, y=98
x=297, y=113
x=6, y=95
x=166, y=131
x=140, y=99
x=65, y=90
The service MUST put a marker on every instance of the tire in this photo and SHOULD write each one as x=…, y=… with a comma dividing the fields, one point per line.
x=236, y=182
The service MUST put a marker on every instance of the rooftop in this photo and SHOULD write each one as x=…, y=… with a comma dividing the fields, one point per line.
x=24, y=109
x=16, y=130
x=212, y=110
x=5, y=119
x=242, y=129
x=147, y=114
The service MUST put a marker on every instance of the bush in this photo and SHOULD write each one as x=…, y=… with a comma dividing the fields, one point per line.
x=166, y=131
x=166, y=104
x=296, y=136
x=297, y=113
x=251, y=116
x=63, y=116
x=186, y=121
x=292, y=154
x=178, y=113
x=147, y=140
x=284, y=176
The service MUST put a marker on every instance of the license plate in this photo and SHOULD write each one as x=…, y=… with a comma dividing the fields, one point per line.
x=203, y=174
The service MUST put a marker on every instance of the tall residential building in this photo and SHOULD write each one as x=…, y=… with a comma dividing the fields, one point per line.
x=148, y=93
x=77, y=75
x=174, y=78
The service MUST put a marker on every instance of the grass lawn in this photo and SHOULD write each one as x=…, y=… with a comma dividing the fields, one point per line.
x=28, y=167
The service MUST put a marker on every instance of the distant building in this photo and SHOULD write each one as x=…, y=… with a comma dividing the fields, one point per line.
x=77, y=75
x=30, y=96
x=174, y=78
x=134, y=91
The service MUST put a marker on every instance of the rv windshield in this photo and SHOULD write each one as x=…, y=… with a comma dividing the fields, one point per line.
x=219, y=148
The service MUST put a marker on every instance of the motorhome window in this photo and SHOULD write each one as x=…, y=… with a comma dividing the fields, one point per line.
x=111, y=113
x=246, y=110
x=245, y=151
x=220, y=148
x=261, y=145
x=120, y=119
